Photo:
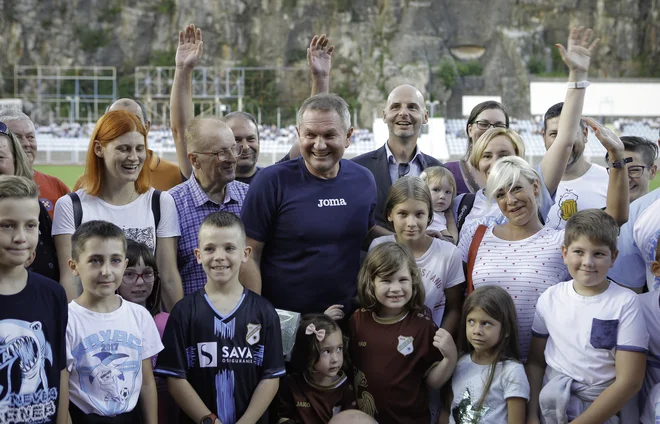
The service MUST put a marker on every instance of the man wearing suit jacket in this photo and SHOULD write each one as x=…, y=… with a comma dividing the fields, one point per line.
x=404, y=115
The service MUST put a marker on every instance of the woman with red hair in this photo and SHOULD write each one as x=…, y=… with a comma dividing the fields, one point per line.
x=117, y=189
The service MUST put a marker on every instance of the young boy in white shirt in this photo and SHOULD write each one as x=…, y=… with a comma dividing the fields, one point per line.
x=589, y=332
x=33, y=316
x=109, y=340
x=223, y=348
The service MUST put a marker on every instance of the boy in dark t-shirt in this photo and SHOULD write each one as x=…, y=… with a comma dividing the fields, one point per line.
x=223, y=349
x=33, y=315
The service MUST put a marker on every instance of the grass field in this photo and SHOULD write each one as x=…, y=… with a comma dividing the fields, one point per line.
x=69, y=174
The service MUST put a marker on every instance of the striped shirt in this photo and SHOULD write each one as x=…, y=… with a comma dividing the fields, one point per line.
x=524, y=268
x=193, y=205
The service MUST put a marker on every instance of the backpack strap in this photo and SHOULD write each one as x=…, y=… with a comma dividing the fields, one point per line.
x=464, y=208
x=155, y=208
x=77, y=209
x=472, y=255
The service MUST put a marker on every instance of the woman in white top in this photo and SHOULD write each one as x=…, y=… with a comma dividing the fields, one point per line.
x=117, y=189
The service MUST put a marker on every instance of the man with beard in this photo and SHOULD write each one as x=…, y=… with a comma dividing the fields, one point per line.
x=584, y=184
x=246, y=134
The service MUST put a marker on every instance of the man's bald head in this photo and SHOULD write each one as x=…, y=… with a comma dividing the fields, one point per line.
x=352, y=416
x=206, y=134
x=132, y=106
x=406, y=91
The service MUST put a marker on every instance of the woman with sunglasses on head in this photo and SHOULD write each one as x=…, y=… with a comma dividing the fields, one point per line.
x=485, y=115
x=117, y=188
x=14, y=161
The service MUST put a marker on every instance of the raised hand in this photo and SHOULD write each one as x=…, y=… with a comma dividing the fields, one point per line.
x=577, y=55
x=319, y=56
x=335, y=312
x=607, y=138
x=190, y=48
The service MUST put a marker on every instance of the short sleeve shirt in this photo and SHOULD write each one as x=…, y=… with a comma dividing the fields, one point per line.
x=468, y=383
x=300, y=400
x=391, y=359
x=637, y=240
x=136, y=218
x=104, y=356
x=584, y=332
x=223, y=357
x=587, y=192
x=50, y=190
x=32, y=331
x=193, y=205
x=312, y=229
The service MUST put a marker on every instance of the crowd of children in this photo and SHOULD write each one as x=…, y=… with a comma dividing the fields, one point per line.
x=221, y=361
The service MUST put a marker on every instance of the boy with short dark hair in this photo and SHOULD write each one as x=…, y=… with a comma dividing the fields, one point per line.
x=589, y=332
x=223, y=349
x=33, y=316
x=109, y=340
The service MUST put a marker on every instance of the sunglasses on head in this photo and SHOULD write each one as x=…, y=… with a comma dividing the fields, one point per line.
x=3, y=129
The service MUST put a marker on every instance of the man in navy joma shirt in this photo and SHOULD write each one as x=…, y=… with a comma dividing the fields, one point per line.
x=306, y=219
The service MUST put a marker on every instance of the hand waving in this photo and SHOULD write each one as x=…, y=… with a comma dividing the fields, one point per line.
x=607, y=138
x=577, y=55
x=190, y=48
x=319, y=56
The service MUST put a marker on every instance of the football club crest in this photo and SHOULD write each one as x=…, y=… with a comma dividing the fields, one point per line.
x=253, y=333
x=405, y=346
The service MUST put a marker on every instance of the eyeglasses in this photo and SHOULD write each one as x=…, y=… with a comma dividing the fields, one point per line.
x=404, y=169
x=484, y=125
x=131, y=277
x=224, y=154
x=634, y=171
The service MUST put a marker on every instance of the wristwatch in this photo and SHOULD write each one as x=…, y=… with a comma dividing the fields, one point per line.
x=579, y=84
x=621, y=163
x=209, y=419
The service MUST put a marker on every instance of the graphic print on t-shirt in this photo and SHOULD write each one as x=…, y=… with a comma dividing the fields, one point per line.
x=466, y=412
x=108, y=363
x=567, y=206
x=141, y=235
x=23, y=382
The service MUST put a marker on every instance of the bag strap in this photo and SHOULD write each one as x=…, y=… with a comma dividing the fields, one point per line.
x=155, y=208
x=472, y=255
x=77, y=209
x=464, y=208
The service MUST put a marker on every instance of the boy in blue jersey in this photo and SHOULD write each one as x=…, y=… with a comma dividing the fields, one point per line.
x=223, y=349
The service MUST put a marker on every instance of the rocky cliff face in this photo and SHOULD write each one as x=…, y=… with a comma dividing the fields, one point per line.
x=446, y=48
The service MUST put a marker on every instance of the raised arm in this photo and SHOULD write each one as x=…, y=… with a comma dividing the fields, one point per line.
x=182, y=110
x=319, y=61
x=617, y=190
x=577, y=56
